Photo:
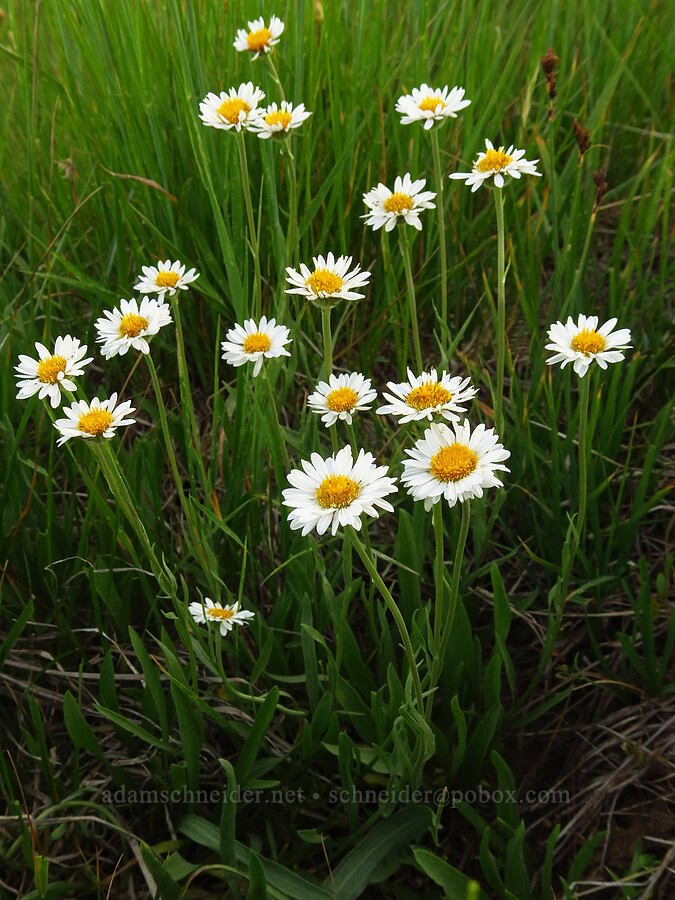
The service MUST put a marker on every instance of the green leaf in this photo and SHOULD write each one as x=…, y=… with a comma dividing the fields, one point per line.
x=278, y=877
x=133, y=728
x=352, y=875
x=257, y=883
x=256, y=735
x=167, y=887
x=79, y=730
x=456, y=886
x=228, y=815
x=16, y=629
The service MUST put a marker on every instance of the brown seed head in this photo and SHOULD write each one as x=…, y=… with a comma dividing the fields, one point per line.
x=581, y=135
x=548, y=63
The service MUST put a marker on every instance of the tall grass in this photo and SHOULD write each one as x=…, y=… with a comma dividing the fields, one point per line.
x=108, y=689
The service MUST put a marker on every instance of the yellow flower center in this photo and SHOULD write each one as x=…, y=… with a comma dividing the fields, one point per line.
x=324, y=282
x=216, y=613
x=588, y=342
x=257, y=342
x=256, y=40
x=95, y=421
x=231, y=108
x=398, y=203
x=494, y=161
x=341, y=399
x=453, y=463
x=49, y=369
x=428, y=396
x=282, y=118
x=167, y=279
x=429, y=104
x=132, y=325
x=337, y=491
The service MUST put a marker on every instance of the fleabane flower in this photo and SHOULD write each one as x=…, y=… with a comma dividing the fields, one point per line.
x=334, y=492
x=584, y=343
x=329, y=281
x=226, y=616
x=237, y=109
x=497, y=163
x=424, y=396
x=253, y=343
x=165, y=278
x=278, y=121
x=99, y=418
x=131, y=325
x=430, y=105
x=51, y=373
x=341, y=396
x=259, y=38
x=454, y=463
x=405, y=202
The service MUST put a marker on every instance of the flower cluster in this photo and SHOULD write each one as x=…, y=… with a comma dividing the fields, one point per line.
x=451, y=461
x=238, y=109
x=128, y=326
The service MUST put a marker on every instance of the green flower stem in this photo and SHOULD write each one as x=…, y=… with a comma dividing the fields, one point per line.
x=396, y=613
x=187, y=511
x=334, y=438
x=501, y=315
x=405, y=253
x=351, y=430
x=441, y=649
x=275, y=74
x=352, y=443
x=327, y=366
x=277, y=424
x=439, y=571
x=192, y=443
x=116, y=483
x=327, y=343
x=167, y=436
x=292, y=233
x=253, y=234
x=498, y=398
x=584, y=455
x=441, y=224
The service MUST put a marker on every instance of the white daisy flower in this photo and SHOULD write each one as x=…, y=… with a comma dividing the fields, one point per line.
x=330, y=280
x=498, y=163
x=99, y=418
x=334, y=492
x=279, y=121
x=453, y=463
x=238, y=109
x=165, y=277
x=424, y=396
x=341, y=396
x=252, y=343
x=584, y=343
x=259, y=38
x=51, y=373
x=430, y=105
x=130, y=325
x=227, y=616
x=406, y=201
